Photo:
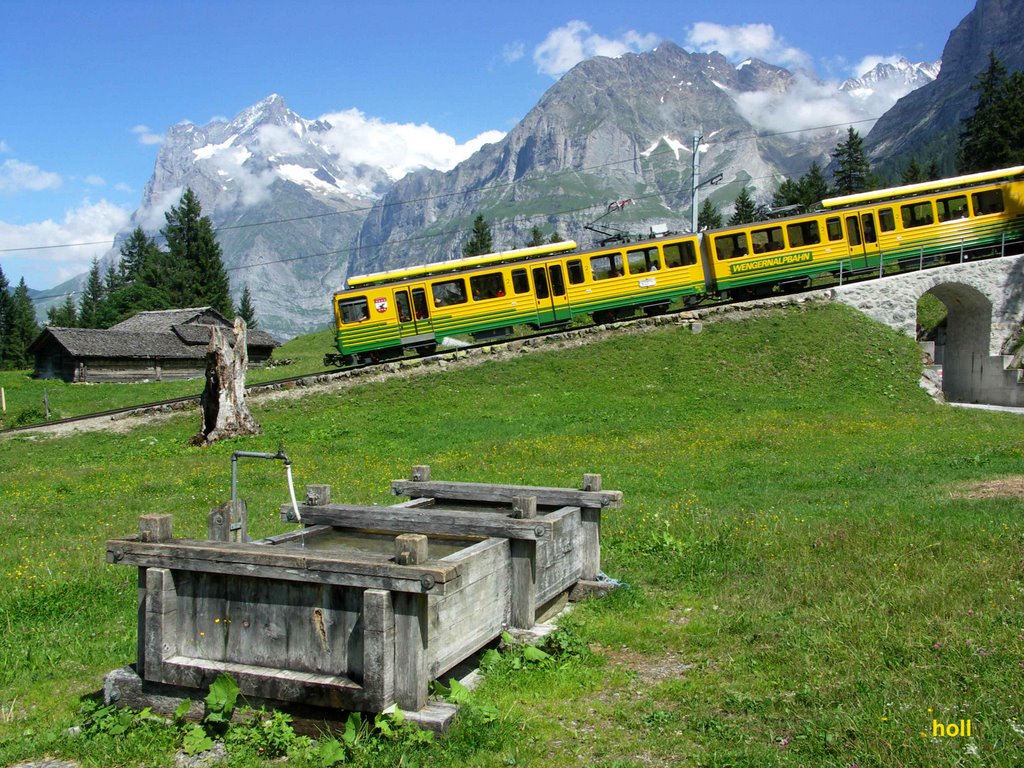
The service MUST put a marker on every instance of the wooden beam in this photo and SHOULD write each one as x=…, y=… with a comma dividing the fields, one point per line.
x=503, y=494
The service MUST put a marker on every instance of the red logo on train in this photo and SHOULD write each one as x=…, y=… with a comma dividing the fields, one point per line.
x=380, y=304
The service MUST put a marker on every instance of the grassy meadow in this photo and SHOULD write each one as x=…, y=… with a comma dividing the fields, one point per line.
x=816, y=572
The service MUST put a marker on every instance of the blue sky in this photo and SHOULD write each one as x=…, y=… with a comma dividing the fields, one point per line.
x=88, y=87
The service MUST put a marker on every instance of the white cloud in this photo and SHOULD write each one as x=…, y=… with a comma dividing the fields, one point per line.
x=90, y=222
x=745, y=40
x=95, y=181
x=567, y=46
x=806, y=105
x=123, y=187
x=4, y=147
x=16, y=176
x=146, y=136
x=398, y=148
x=513, y=52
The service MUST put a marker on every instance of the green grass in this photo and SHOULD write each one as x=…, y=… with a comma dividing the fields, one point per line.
x=808, y=585
x=24, y=395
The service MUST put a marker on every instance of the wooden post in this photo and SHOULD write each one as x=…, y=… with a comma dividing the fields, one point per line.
x=590, y=520
x=318, y=495
x=524, y=567
x=155, y=528
x=378, y=647
x=420, y=473
x=410, y=549
x=410, y=650
x=229, y=522
x=160, y=639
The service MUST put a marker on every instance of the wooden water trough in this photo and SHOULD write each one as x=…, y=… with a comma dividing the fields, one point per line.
x=365, y=605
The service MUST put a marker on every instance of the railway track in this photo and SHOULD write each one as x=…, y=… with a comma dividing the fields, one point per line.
x=332, y=373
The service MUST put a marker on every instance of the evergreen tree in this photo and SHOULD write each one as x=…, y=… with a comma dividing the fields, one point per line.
x=787, y=193
x=853, y=171
x=536, y=237
x=129, y=300
x=6, y=305
x=708, y=217
x=481, y=241
x=555, y=238
x=22, y=329
x=136, y=251
x=63, y=315
x=196, y=268
x=92, y=298
x=745, y=211
x=912, y=174
x=934, y=173
x=993, y=136
x=246, y=310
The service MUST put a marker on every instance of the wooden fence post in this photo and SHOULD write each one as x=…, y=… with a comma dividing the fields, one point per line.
x=524, y=567
x=590, y=521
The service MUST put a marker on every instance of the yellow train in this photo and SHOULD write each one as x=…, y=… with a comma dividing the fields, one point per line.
x=383, y=315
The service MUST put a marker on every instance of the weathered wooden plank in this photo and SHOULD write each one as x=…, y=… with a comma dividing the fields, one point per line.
x=317, y=495
x=590, y=522
x=433, y=520
x=161, y=623
x=378, y=667
x=155, y=527
x=411, y=637
x=308, y=534
x=486, y=492
x=463, y=622
x=411, y=549
x=559, y=564
x=524, y=583
x=199, y=555
x=228, y=522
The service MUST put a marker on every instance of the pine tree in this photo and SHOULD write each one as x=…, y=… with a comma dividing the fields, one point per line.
x=63, y=315
x=536, y=237
x=745, y=211
x=853, y=171
x=22, y=329
x=993, y=136
x=92, y=298
x=6, y=306
x=481, y=241
x=813, y=187
x=197, y=275
x=708, y=217
x=912, y=174
x=137, y=250
x=246, y=310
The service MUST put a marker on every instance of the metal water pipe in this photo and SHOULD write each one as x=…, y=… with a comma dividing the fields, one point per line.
x=279, y=456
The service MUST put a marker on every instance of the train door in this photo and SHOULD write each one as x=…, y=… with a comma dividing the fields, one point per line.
x=552, y=300
x=862, y=236
x=413, y=313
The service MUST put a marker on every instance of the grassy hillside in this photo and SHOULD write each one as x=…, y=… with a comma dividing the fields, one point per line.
x=813, y=577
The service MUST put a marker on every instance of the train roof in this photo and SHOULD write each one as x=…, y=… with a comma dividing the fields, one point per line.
x=453, y=265
x=926, y=186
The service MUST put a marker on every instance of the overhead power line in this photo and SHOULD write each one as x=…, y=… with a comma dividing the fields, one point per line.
x=428, y=198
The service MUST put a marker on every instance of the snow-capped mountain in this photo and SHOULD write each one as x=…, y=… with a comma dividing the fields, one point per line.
x=901, y=76
x=295, y=212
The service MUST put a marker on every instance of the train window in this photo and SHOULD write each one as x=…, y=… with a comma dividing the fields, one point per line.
x=952, y=208
x=731, y=246
x=609, y=265
x=557, y=281
x=803, y=233
x=353, y=310
x=853, y=228
x=766, y=240
x=402, y=306
x=540, y=283
x=520, y=282
x=886, y=221
x=575, y=271
x=449, y=292
x=834, y=227
x=489, y=286
x=989, y=201
x=419, y=304
x=917, y=214
x=643, y=260
x=680, y=254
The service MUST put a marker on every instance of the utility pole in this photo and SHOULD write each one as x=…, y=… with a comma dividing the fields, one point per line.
x=696, y=178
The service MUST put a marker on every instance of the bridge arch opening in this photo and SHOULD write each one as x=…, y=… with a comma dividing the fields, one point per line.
x=962, y=344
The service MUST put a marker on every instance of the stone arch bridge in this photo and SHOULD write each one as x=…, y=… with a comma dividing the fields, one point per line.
x=985, y=303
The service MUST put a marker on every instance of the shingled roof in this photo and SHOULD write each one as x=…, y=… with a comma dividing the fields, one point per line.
x=165, y=319
x=94, y=342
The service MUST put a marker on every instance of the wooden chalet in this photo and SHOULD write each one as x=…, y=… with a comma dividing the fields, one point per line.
x=156, y=346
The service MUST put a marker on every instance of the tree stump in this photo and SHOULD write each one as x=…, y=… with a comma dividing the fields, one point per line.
x=223, y=412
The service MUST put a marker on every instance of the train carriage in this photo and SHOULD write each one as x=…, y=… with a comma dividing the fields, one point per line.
x=385, y=314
